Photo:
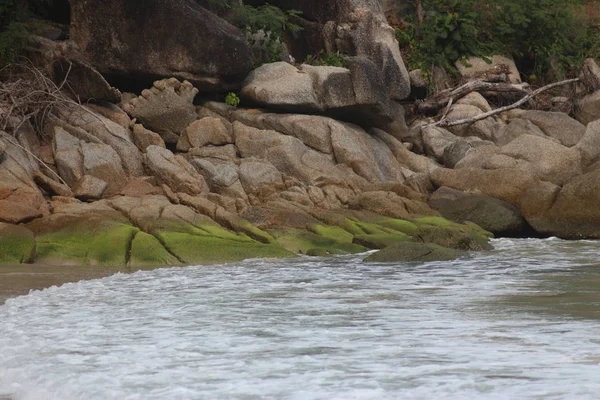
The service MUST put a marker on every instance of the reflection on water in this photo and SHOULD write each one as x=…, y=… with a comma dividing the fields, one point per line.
x=516, y=322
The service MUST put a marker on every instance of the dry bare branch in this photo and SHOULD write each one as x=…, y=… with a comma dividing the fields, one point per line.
x=444, y=123
x=435, y=103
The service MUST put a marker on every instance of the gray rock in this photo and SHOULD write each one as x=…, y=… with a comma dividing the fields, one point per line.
x=205, y=131
x=68, y=157
x=254, y=175
x=588, y=108
x=103, y=163
x=354, y=94
x=160, y=39
x=557, y=125
x=167, y=108
x=515, y=128
x=90, y=188
x=493, y=215
x=143, y=138
x=477, y=68
x=174, y=171
x=419, y=252
x=589, y=145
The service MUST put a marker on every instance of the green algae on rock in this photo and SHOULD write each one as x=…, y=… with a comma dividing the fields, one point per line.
x=314, y=244
x=146, y=250
x=17, y=244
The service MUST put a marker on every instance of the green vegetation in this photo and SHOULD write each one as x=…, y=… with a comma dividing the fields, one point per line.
x=265, y=26
x=326, y=59
x=13, y=35
x=232, y=99
x=536, y=33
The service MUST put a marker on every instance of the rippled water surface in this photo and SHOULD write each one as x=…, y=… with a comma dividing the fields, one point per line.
x=520, y=322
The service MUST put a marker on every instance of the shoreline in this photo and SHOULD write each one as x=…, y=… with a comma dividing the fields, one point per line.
x=19, y=280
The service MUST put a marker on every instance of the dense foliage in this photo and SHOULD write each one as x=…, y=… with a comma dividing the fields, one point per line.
x=265, y=26
x=538, y=34
x=13, y=14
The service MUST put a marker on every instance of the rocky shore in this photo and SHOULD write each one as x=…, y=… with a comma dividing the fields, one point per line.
x=316, y=160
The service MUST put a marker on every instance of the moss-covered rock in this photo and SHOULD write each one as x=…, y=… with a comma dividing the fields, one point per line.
x=381, y=240
x=411, y=251
x=311, y=243
x=210, y=243
x=17, y=244
x=147, y=251
x=449, y=234
x=105, y=245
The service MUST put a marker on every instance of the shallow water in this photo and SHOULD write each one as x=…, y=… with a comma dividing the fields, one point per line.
x=521, y=322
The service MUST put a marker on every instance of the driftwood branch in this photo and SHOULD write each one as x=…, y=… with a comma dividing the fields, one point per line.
x=436, y=102
x=519, y=103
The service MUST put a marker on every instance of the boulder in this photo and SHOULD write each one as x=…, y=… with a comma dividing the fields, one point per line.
x=483, y=129
x=167, y=108
x=174, y=171
x=354, y=94
x=255, y=175
x=156, y=39
x=103, y=163
x=506, y=184
x=415, y=252
x=90, y=188
x=590, y=74
x=357, y=28
x=92, y=127
x=205, y=131
x=143, y=138
x=588, y=108
x=478, y=68
x=515, y=128
x=557, y=125
x=548, y=160
x=570, y=212
x=589, y=145
x=83, y=80
x=68, y=157
x=493, y=215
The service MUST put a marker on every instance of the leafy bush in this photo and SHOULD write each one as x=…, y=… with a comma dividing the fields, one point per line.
x=13, y=34
x=533, y=32
x=232, y=99
x=265, y=28
x=326, y=59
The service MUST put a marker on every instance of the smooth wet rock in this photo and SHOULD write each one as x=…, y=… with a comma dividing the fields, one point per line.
x=493, y=215
x=414, y=252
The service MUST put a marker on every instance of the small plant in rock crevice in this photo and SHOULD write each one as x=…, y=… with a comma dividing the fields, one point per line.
x=232, y=99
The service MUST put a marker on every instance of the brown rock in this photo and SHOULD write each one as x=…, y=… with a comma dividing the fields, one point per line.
x=193, y=43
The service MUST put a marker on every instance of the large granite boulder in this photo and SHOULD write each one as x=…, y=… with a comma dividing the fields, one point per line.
x=570, y=212
x=357, y=93
x=556, y=125
x=588, y=108
x=357, y=28
x=493, y=215
x=144, y=40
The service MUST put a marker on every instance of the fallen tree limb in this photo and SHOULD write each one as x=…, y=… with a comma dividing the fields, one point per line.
x=444, y=122
x=436, y=102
